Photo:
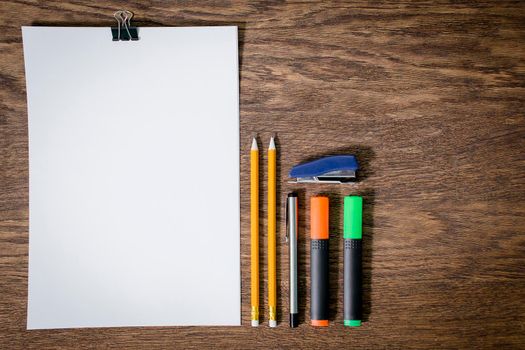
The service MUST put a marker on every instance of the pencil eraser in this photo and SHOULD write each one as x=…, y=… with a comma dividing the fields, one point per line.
x=255, y=323
x=273, y=323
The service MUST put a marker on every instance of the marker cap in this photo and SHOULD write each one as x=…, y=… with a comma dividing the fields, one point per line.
x=319, y=217
x=353, y=217
x=319, y=323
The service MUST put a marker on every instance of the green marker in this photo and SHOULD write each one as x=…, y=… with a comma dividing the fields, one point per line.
x=353, y=269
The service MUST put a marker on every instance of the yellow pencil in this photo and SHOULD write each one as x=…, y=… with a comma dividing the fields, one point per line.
x=272, y=280
x=254, y=178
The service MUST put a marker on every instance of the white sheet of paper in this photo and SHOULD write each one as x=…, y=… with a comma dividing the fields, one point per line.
x=133, y=177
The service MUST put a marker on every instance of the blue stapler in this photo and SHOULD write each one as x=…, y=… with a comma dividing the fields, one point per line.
x=332, y=169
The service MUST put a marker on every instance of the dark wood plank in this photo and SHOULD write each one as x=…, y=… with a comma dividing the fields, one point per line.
x=431, y=97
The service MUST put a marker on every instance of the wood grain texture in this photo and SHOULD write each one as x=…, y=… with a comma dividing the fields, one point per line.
x=429, y=95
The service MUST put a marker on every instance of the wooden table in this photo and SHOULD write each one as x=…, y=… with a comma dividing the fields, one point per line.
x=430, y=97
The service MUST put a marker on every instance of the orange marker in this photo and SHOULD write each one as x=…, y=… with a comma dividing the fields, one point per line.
x=319, y=261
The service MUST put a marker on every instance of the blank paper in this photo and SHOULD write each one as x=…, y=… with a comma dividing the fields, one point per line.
x=133, y=177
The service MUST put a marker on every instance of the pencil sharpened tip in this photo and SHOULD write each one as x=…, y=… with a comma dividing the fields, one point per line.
x=254, y=145
x=272, y=144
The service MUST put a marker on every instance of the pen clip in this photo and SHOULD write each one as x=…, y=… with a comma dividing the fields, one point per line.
x=287, y=234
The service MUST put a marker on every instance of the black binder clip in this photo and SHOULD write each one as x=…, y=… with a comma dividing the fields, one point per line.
x=124, y=31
